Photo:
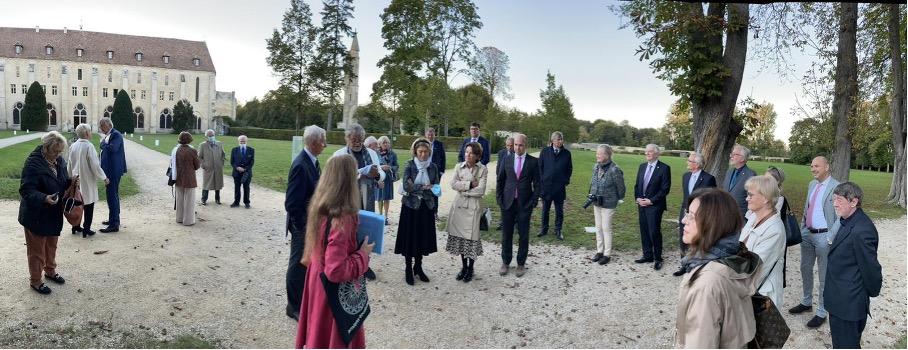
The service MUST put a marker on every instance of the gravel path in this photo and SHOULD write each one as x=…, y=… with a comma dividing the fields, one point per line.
x=223, y=279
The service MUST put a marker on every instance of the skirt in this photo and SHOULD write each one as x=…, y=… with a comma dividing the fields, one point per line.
x=385, y=193
x=462, y=246
x=416, y=232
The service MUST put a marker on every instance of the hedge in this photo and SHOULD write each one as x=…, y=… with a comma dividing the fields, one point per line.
x=452, y=144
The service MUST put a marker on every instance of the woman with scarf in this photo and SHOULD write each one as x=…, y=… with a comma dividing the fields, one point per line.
x=606, y=191
x=416, y=229
x=714, y=306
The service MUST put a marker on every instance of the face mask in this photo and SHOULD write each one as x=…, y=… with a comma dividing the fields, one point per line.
x=211, y=138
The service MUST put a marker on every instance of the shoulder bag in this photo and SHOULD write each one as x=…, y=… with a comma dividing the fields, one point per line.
x=772, y=331
x=792, y=230
x=348, y=301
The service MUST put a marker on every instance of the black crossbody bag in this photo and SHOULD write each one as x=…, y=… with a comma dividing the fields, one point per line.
x=348, y=301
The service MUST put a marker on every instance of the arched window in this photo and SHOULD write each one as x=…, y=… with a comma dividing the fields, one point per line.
x=166, y=119
x=18, y=49
x=140, y=118
x=17, y=113
x=108, y=112
x=80, y=115
x=197, y=89
x=48, y=50
x=198, y=123
x=51, y=115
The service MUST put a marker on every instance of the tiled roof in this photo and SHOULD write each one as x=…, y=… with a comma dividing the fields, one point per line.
x=95, y=46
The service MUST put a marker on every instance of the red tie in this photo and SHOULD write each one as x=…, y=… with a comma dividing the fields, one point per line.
x=810, y=205
x=519, y=170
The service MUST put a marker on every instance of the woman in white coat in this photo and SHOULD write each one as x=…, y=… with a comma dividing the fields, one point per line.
x=83, y=163
x=469, y=181
x=764, y=234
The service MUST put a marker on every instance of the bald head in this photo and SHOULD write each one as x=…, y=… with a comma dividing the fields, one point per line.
x=819, y=167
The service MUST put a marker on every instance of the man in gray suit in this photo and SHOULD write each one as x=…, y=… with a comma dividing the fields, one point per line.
x=818, y=229
x=738, y=175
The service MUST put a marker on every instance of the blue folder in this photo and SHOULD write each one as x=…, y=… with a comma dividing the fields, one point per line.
x=372, y=225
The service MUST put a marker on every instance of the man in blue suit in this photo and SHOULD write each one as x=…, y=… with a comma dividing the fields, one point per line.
x=654, y=181
x=555, y=169
x=113, y=162
x=853, y=273
x=242, y=158
x=474, y=137
x=438, y=150
x=304, y=175
x=737, y=176
x=696, y=178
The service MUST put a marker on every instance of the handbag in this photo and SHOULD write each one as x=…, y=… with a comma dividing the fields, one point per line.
x=348, y=301
x=72, y=203
x=792, y=230
x=772, y=331
x=484, y=220
x=170, y=180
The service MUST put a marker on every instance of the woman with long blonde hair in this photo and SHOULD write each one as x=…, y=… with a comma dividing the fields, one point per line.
x=339, y=257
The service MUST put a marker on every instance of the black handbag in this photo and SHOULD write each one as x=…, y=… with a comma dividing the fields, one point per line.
x=792, y=229
x=772, y=331
x=170, y=180
x=348, y=301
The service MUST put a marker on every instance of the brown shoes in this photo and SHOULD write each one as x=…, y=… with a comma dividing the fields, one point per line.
x=521, y=270
x=503, y=270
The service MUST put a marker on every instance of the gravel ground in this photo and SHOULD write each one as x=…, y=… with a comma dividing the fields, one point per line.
x=223, y=280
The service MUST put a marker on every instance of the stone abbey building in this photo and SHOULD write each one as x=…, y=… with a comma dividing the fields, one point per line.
x=81, y=73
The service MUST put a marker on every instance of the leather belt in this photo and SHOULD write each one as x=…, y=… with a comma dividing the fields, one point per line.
x=813, y=230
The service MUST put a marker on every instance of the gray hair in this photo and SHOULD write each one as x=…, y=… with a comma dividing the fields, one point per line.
x=744, y=151
x=105, y=120
x=520, y=136
x=242, y=137
x=698, y=158
x=312, y=134
x=510, y=138
x=355, y=129
x=52, y=139
x=605, y=148
x=83, y=131
x=429, y=128
x=383, y=140
x=776, y=173
x=850, y=191
x=209, y=131
x=370, y=140
x=556, y=136
x=654, y=147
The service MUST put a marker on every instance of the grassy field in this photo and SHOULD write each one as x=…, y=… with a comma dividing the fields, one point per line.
x=9, y=133
x=626, y=229
x=11, y=171
x=272, y=163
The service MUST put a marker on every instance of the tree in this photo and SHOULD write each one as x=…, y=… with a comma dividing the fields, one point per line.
x=897, y=190
x=290, y=54
x=759, y=127
x=490, y=71
x=677, y=128
x=34, y=113
x=123, y=116
x=451, y=27
x=183, y=117
x=813, y=138
x=332, y=62
x=846, y=90
x=685, y=47
x=557, y=113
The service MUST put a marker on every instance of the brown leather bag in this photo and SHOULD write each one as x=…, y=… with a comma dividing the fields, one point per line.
x=72, y=203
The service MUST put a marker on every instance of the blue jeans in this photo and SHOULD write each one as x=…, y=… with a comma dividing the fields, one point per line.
x=113, y=201
x=814, y=248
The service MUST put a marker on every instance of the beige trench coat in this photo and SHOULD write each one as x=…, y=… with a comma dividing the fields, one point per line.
x=716, y=311
x=83, y=161
x=463, y=219
x=212, y=157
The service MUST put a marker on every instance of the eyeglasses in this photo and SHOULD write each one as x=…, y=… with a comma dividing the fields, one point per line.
x=688, y=215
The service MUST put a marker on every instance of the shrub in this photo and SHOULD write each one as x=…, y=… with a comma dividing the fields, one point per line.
x=183, y=118
x=123, y=117
x=34, y=114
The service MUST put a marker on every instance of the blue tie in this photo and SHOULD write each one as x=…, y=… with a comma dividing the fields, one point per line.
x=734, y=177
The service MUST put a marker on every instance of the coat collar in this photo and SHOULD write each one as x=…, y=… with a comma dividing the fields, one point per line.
x=846, y=228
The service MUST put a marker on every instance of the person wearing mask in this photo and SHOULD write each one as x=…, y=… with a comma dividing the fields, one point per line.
x=83, y=164
x=652, y=187
x=737, y=176
x=764, y=234
x=503, y=155
x=113, y=162
x=818, y=227
x=388, y=160
x=517, y=193
x=331, y=250
x=469, y=181
x=714, y=299
x=854, y=274
x=185, y=161
x=43, y=181
x=301, y=181
x=416, y=232
x=242, y=158
x=556, y=168
x=606, y=191
x=695, y=178
x=211, y=153
x=474, y=137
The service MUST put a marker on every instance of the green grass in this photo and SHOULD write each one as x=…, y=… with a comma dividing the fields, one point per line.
x=626, y=230
x=13, y=158
x=8, y=133
x=902, y=343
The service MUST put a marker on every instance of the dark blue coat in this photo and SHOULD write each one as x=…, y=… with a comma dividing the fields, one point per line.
x=301, y=184
x=37, y=182
x=853, y=273
x=555, y=172
x=438, y=155
x=238, y=160
x=705, y=180
x=486, y=150
x=113, y=156
x=502, y=156
x=660, y=183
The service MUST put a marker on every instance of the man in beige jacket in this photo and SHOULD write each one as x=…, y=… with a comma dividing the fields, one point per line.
x=211, y=153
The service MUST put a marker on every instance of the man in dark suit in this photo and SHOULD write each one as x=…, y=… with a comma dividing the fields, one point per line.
x=113, y=162
x=555, y=168
x=304, y=175
x=694, y=179
x=438, y=150
x=517, y=192
x=242, y=158
x=853, y=273
x=737, y=176
x=503, y=155
x=474, y=137
x=653, y=184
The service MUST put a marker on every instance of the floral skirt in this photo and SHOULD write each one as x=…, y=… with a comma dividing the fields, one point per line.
x=462, y=246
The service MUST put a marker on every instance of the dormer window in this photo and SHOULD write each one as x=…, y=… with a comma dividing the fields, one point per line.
x=196, y=62
x=166, y=59
x=110, y=55
x=79, y=52
x=138, y=56
x=48, y=50
x=18, y=49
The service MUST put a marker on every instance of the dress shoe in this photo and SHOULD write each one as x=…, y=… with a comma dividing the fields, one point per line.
x=204, y=203
x=56, y=278
x=643, y=260
x=542, y=233
x=503, y=270
x=521, y=270
x=658, y=265
x=109, y=229
x=370, y=275
x=816, y=322
x=419, y=273
x=408, y=276
x=247, y=206
x=604, y=260
x=234, y=205
x=295, y=315
x=462, y=272
x=680, y=272
x=87, y=232
x=799, y=309
x=467, y=277
x=596, y=257
x=77, y=230
x=217, y=202
x=559, y=235
x=42, y=289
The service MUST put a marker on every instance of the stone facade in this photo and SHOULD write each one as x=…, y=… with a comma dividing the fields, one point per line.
x=82, y=72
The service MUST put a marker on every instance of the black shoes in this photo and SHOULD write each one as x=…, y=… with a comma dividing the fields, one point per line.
x=109, y=229
x=56, y=278
x=204, y=203
x=42, y=289
x=87, y=232
x=247, y=205
x=559, y=235
x=370, y=275
x=679, y=273
x=604, y=260
x=542, y=233
x=467, y=277
x=799, y=309
x=643, y=260
x=658, y=265
x=596, y=257
x=234, y=205
x=408, y=276
x=816, y=322
x=462, y=273
x=76, y=229
x=419, y=273
x=218, y=202
x=294, y=314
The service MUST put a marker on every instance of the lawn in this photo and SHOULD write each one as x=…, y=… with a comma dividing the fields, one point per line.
x=626, y=231
x=9, y=133
x=272, y=163
x=11, y=172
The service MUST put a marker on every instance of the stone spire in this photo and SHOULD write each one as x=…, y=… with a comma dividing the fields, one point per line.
x=351, y=87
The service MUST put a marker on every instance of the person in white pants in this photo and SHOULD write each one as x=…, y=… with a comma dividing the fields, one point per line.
x=606, y=191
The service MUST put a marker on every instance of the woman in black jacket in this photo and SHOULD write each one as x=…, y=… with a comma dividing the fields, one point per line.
x=44, y=179
x=416, y=232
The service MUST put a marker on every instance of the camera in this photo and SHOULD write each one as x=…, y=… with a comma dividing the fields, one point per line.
x=590, y=199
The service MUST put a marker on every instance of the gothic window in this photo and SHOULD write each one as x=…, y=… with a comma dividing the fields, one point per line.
x=198, y=123
x=109, y=76
x=79, y=114
x=104, y=92
x=166, y=120
x=84, y=91
x=108, y=112
x=132, y=94
x=79, y=74
x=75, y=91
x=53, y=90
x=140, y=118
x=139, y=77
x=166, y=79
x=143, y=94
x=182, y=78
x=197, y=89
x=161, y=95
x=17, y=112
x=24, y=88
x=170, y=95
x=12, y=88
x=51, y=115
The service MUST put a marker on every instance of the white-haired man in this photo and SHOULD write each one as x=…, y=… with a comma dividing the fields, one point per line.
x=695, y=178
x=242, y=158
x=211, y=153
x=654, y=181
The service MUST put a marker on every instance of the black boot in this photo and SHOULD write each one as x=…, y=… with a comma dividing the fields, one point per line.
x=463, y=270
x=469, y=275
x=417, y=269
x=408, y=273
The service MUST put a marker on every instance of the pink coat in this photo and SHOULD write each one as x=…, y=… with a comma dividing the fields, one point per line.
x=342, y=262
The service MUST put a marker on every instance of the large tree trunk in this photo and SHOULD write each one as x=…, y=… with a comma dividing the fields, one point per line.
x=331, y=118
x=714, y=129
x=897, y=193
x=846, y=90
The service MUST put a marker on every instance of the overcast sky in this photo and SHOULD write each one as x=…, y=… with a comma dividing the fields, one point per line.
x=579, y=41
